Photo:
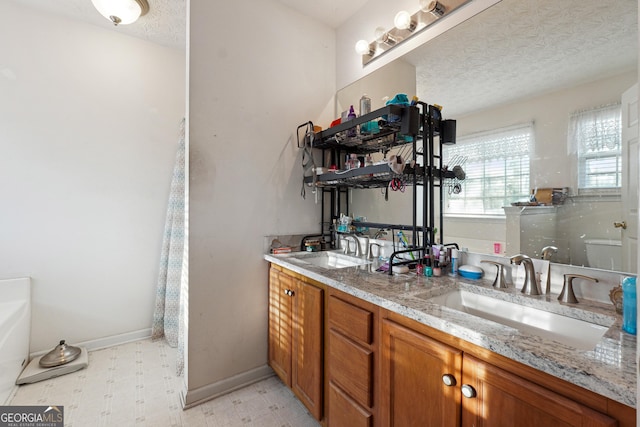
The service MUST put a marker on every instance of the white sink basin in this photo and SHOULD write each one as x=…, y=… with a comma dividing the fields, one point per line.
x=327, y=259
x=572, y=332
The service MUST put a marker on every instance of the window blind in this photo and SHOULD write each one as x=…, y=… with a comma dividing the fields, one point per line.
x=496, y=165
x=596, y=136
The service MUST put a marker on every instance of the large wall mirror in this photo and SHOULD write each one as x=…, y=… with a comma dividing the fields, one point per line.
x=534, y=62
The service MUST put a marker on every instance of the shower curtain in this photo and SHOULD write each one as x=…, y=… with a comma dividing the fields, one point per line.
x=169, y=314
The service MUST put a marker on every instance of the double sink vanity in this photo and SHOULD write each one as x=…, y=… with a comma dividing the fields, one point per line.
x=364, y=348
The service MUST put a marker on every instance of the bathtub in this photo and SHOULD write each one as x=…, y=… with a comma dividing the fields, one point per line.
x=15, y=330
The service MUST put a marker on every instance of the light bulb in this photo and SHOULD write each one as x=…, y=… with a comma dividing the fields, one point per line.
x=363, y=48
x=403, y=21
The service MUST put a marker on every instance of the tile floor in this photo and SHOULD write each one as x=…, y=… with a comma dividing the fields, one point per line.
x=135, y=384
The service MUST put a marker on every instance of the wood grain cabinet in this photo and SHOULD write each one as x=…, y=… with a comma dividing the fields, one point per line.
x=497, y=398
x=296, y=314
x=351, y=356
x=425, y=382
x=420, y=379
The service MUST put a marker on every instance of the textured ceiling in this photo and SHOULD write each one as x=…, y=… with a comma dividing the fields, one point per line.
x=165, y=23
x=519, y=48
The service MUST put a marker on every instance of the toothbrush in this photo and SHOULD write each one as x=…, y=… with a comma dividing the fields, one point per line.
x=405, y=244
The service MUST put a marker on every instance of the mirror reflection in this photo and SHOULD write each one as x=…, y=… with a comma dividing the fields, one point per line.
x=559, y=72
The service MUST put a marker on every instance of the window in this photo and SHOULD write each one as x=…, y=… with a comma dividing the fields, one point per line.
x=496, y=166
x=596, y=135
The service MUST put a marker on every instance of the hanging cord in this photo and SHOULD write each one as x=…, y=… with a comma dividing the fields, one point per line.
x=308, y=164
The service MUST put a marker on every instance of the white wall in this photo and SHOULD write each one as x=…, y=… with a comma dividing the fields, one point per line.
x=89, y=125
x=248, y=92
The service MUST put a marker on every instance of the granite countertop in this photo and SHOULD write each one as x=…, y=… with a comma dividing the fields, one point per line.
x=609, y=369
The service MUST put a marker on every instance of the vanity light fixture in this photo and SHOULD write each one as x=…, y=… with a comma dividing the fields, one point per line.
x=121, y=11
x=405, y=27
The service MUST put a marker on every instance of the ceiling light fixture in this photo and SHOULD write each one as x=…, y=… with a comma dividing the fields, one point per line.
x=121, y=11
x=405, y=27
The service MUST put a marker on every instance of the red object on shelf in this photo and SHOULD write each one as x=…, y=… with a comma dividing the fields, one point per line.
x=336, y=122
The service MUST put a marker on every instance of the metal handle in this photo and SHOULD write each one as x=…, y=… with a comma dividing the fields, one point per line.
x=620, y=224
x=288, y=292
x=449, y=380
x=468, y=391
x=499, y=281
x=567, y=294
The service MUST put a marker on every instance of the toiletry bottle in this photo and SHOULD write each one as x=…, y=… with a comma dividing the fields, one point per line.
x=629, y=310
x=437, y=270
x=365, y=105
x=365, y=108
x=454, y=262
x=352, y=115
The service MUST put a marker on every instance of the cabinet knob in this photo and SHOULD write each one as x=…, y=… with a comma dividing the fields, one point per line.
x=468, y=391
x=288, y=292
x=449, y=380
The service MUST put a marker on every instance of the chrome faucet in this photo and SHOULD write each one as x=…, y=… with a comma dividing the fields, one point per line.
x=531, y=286
x=356, y=241
x=379, y=233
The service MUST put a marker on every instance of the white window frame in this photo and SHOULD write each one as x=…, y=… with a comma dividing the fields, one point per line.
x=595, y=134
x=477, y=151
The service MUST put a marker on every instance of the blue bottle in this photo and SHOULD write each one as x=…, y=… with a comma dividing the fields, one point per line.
x=629, y=307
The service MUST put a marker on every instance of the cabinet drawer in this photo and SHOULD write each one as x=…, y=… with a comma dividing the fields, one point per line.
x=352, y=321
x=351, y=366
x=345, y=412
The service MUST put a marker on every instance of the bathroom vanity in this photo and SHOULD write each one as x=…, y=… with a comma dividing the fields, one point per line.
x=389, y=350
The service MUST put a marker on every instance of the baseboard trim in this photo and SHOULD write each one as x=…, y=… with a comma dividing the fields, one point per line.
x=106, y=342
x=191, y=398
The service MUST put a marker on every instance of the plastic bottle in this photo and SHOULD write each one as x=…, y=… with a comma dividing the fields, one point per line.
x=454, y=262
x=365, y=105
x=352, y=115
x=629, y=308
x=365, y=108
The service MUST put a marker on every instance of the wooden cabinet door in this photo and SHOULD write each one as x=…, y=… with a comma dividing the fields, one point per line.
x=503, y=399
x=307, y=373
x=412, y=389
x=280, y=324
